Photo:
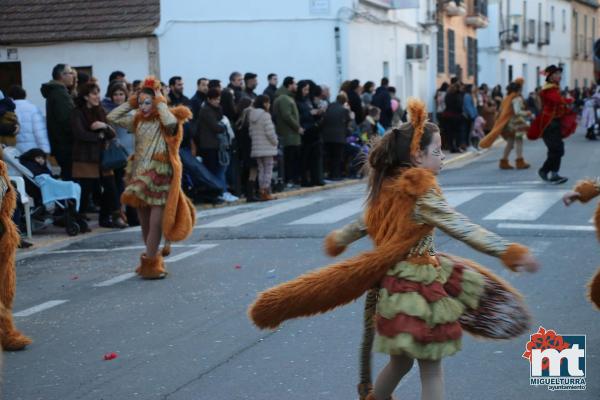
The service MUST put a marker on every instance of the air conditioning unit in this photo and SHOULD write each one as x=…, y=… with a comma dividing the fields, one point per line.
x=417, y=52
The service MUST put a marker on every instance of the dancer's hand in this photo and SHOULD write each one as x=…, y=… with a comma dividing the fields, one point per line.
x=570, y=197
x=527, y=263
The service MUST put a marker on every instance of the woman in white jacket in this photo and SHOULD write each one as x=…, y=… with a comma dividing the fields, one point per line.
x=32, y=124
x=264, y=143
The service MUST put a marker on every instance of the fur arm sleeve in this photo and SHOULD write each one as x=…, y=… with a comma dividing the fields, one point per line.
x=432, y=209
x=336, y=242
x=121, y=116
x=587, y=189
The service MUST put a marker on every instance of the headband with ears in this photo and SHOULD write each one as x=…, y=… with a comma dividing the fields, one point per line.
x=417, y=114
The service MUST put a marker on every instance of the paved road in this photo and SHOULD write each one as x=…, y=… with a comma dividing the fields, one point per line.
x=188, y=337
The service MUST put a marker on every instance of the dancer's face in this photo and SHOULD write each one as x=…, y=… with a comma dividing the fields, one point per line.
x=432, y=158
x=145, y=103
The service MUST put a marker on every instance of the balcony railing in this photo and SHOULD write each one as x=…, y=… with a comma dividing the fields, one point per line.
x=455, y=8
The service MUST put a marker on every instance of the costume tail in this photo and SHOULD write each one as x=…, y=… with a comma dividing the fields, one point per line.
x=324, y=289
x=489, y=139
x=594, y=289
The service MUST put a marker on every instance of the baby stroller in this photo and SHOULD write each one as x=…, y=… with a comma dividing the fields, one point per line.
x=46, y=191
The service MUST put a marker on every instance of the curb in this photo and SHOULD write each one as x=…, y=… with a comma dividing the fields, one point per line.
x=62, y=242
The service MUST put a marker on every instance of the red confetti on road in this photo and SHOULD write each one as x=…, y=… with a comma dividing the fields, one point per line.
x=110, y=356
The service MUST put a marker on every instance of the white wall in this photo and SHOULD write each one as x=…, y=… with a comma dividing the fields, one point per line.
x=37, y=62
x=211, y=39
x=517, y=54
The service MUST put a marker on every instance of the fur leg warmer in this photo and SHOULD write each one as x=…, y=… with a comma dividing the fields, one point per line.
x=12, y=339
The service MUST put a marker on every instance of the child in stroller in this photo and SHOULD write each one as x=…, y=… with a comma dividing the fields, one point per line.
x=45, y=190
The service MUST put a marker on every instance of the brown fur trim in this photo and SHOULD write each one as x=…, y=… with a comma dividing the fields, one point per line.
x=597, y=220
x=594, y=289
x=133, y=101
x=331, y=245
x=513, y=254
x=180, y=214
x=415, y=182
x=152, y=268
x=132, y=200
x=9, y=242
x=10, y=338
x=417, y=114
x=587, y=190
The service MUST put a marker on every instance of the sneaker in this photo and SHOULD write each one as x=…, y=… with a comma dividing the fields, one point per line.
x=543, y=175
x=557, y=179
x=229, y=198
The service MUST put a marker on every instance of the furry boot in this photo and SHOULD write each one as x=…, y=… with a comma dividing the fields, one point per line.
x=504, y=164
x=152, y=268
x=522, y=164
x=12, y=339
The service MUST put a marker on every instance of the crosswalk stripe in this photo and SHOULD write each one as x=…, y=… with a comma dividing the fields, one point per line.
x=256, y=215
x=40, y=307
x=115, y=280
x=528, y=206
x=547, y=227
x=197, y=249
x=455, y=199
x=333, y=214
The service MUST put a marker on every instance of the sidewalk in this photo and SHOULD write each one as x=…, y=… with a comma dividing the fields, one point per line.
x=54, y=237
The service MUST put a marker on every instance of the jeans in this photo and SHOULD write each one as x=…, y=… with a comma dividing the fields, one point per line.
x=197, y=171
x=210, y=158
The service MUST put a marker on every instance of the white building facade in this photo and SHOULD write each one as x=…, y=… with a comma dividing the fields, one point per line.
x=524, y=37
x=328, y=41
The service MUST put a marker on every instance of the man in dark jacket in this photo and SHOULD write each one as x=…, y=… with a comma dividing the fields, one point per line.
x=335, y=128
x=383, y=101
x=197, y=101
x=272, y=88
x=250, y=84
x=231, y=95
x=176, y=93
x=59, y=105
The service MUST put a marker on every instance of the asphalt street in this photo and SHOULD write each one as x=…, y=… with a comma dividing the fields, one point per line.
x=188, y=338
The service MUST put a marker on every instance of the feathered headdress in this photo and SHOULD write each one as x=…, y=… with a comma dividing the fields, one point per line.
x=151, y=82
x=417, y=114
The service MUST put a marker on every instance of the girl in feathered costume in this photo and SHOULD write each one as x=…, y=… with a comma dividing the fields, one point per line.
x=421, y=299
x=154, y=173
x=585, y=191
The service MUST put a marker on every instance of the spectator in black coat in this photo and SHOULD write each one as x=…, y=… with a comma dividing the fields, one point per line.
x=335, y=128
x=355, y=101
x=197, y=101
x=176, y=92
x=383, y=101
x=272, y=88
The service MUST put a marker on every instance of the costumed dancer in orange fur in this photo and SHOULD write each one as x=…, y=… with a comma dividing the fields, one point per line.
x=421, y=298
x=153, y=173
x=11, y=338
x=585, y=191
x=512, y=124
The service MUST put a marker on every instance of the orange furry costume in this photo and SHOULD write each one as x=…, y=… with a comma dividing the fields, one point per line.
x=154, y=166
x=11, y=338
x=587, y=190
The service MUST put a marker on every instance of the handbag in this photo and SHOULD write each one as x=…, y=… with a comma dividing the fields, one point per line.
x=114, y=156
